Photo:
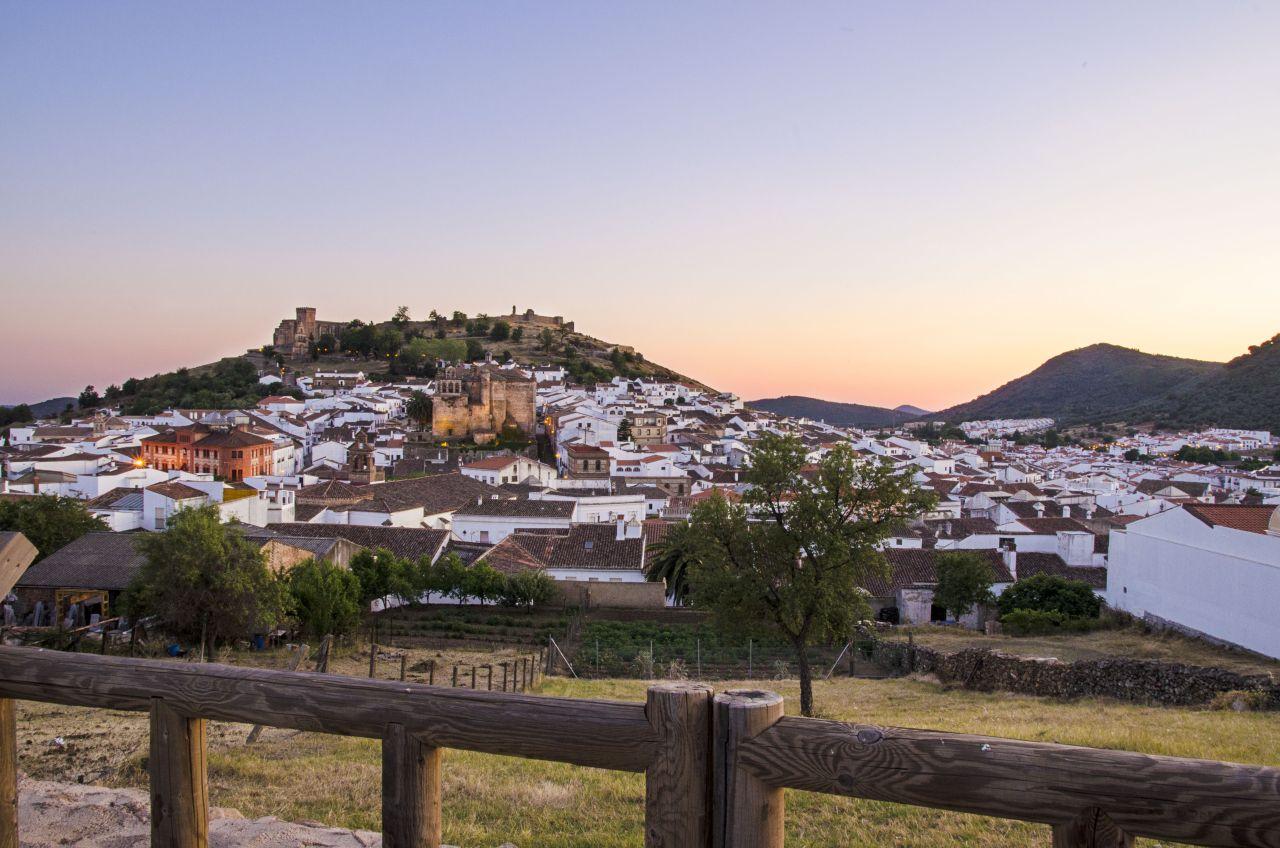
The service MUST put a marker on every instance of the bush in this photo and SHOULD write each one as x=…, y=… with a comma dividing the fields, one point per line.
x=1050, y=593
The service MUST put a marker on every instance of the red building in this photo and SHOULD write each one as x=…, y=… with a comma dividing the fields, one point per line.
x=231, y=454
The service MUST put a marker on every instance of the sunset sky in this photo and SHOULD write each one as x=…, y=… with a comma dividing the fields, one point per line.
x=880, y=203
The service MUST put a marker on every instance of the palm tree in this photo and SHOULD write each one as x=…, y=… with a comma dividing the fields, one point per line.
x=672, y=559
x=419, y=408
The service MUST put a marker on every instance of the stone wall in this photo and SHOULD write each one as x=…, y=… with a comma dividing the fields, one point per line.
x=595, y=594
x=1142, y=681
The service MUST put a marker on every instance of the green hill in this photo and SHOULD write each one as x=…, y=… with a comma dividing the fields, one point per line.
x=838, y=414
x=1244, y=393
x=1095, y=384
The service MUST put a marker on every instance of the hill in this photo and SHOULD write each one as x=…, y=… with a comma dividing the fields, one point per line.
x=908, y=409
x=1244, y=393
x=48, y=408
x=1099, y=383
x=839, y=414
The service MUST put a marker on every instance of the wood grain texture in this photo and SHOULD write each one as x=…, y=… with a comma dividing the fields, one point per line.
x=677, y=783
x=1091, y=829
x=410, y=791
x=16, y=555
x=179, y=779
x=8, y=774
x=747, y=812
x=1192, y=801
x=598, y=733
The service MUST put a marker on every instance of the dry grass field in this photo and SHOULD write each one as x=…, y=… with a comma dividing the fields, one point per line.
x=489, y=800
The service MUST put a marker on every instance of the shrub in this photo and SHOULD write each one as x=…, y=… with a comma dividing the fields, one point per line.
x=1050, y=593
x=324, y=598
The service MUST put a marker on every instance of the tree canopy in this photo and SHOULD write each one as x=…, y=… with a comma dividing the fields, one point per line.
x=964, y=581
x=792, y=554
x=49, y=522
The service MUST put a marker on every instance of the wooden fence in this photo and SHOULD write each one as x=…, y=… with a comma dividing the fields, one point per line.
x=516, y=674
x=716, y=766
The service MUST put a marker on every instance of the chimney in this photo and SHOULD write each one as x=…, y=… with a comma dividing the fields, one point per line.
x=1039, y=509
x=1066, y=511
x=622, y=528
x=1011, y=561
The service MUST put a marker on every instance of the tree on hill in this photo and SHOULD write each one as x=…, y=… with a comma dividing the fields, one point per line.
x=547, y=340
x=475, y=350
x=401, y=317
x=792, y=555
x=205, y=581
x=49, y=522
x=88, y=398
x=517, y=333
x=500, y=332
x=19, y=414
x=964, y=581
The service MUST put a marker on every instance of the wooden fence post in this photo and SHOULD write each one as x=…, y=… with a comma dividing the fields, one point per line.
x=431, y=672
x=8, y=773
x=373, y=658
x=454, y=681
x=179, y=779
x=746, y=811
x=1091, y=829
x=677, y=806
x=489, y=676
x=473, y=677
x=404, y=665
x=410, y=791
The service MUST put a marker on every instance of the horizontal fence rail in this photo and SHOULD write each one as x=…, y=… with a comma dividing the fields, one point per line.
x=1090, y=796
x=716, y=767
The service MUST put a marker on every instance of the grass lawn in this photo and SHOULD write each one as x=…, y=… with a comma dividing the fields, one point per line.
x=1127, y=642
x=489, y=800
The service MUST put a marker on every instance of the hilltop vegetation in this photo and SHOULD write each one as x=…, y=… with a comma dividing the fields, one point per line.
x=1104, y=383
x=1094, y=384
x=411, y=348
x=837, y=414
x=1244, y=393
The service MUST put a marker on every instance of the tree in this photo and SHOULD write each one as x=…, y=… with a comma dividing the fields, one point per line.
x=88, y=398
x=401, y=317
x=49, y=522
x=500, y=332
x=205, y=580
x=383, y=576
x=324, y=598
x=792, y=555
x=517, y=334
x=624, y=430
x=673, y=558
x=475, y=350
x=546, y=339
x=528, y=589
x=484, y=582
x=419, y=408
x=1132, y=455
x=326, y=343
x=964, y=581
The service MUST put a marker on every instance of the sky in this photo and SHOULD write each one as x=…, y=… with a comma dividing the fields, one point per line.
x=881, y=203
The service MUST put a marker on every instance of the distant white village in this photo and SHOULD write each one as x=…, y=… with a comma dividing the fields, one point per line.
x=588, y=479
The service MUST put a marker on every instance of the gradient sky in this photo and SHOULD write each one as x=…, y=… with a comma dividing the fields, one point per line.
x=882, y=203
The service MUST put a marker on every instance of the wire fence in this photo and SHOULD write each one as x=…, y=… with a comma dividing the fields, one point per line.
x=750, y=660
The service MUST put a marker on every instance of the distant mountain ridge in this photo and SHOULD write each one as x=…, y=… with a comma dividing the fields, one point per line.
x=833, y=412
x=1106, y=383
x=1095, y=383
x=48, y=408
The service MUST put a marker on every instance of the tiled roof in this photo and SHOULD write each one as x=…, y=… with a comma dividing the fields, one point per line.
x=1053, y=524
x=912, y=566
x=1250, y=519
x=587, y=546
x=491, y=463
x=408, y=542
x=100, y=560
x=521, y=509
x=1043, y=563
x=175, y=490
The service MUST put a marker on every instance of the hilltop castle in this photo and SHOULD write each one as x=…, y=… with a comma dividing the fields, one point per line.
x=294, y=336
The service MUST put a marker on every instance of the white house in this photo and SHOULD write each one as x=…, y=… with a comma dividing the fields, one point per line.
x=496, y=470
x=1209, y=569
x=491, y=521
